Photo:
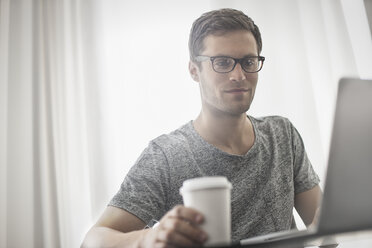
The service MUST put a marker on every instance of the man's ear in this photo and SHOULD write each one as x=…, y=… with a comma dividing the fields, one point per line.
x=194, y=71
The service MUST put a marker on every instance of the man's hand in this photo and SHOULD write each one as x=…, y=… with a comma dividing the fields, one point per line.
x=178, y=228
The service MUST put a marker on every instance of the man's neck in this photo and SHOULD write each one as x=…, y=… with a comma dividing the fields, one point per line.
x=232, y=134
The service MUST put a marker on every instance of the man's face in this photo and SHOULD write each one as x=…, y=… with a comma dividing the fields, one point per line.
x=226, y=93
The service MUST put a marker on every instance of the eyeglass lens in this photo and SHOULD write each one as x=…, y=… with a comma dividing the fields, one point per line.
x=227, y=64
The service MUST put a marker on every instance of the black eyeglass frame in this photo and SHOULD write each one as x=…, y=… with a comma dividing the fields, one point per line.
x=201, y=58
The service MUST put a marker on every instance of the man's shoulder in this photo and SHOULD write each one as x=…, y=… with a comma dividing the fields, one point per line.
x=271, y=128
x=176, y=138
x=272, y=121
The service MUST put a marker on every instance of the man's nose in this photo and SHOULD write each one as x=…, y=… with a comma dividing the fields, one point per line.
x=238, y=74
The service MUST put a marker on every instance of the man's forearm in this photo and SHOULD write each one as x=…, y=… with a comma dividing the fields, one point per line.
x=107, y=237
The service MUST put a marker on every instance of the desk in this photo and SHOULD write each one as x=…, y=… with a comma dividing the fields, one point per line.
x=360, y=239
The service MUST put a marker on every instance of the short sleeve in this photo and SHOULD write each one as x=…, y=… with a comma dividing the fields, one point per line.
x=144, y=189
x=304, y=176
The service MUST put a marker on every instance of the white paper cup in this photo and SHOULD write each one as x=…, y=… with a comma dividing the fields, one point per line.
x=211, y=197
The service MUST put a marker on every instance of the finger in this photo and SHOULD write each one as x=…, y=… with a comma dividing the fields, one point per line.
x=188, y=214
x=172, y=238
x=164, y=245
x=186, y=229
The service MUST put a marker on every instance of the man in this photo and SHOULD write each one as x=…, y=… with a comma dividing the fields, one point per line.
x=263, y=158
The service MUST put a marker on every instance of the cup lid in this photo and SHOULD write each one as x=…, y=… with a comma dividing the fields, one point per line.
x=199, y=183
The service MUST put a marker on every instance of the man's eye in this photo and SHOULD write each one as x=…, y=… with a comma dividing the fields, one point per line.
x=222, y=62
x=249, y=62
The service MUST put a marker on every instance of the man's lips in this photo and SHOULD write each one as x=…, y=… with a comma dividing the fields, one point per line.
x=237, y=90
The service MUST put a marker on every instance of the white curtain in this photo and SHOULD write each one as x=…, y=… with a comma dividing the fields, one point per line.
x=84, y=85
x=46, y=110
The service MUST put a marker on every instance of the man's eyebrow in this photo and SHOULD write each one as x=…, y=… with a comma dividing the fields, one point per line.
x=251, y=55
x=221, y=55
x=244, y=56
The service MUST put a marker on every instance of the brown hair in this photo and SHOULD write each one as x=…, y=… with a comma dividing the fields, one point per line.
x=218, y=22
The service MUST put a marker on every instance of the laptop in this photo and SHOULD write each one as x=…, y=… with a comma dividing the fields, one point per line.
x=347, y=198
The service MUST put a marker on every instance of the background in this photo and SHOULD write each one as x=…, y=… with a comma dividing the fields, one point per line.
x=84, y=86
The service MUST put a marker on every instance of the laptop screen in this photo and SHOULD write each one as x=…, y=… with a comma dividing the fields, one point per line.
x=347, y=201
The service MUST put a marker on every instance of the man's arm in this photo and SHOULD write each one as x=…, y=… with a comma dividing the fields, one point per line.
x=119, y=228
x=307, y=204
x=110, y=229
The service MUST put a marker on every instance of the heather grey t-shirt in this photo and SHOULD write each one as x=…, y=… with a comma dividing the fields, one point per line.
x=264, y=180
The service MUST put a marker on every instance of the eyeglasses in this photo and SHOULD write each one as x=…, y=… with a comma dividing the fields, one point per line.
x=225, y=64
